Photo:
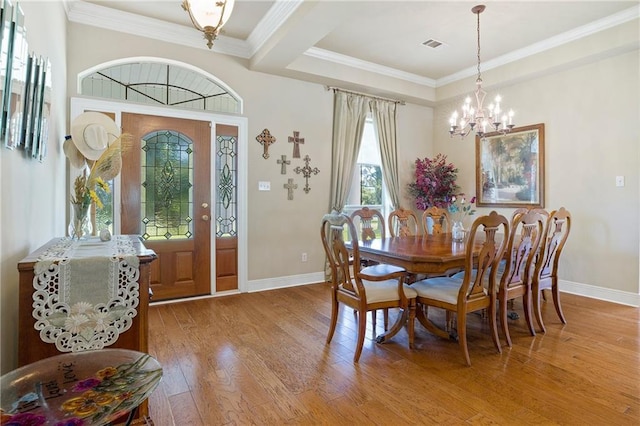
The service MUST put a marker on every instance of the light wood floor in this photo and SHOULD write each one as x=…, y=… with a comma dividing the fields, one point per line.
x=261, y=359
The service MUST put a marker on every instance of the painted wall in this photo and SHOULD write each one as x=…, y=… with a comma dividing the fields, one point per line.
x=591, y=115
x=32, y=210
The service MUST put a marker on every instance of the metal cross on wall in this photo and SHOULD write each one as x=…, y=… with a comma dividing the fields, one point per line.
x=266, y=139
x=306, y=172
x=296, y=140
x=283, y=162
x=290, y=186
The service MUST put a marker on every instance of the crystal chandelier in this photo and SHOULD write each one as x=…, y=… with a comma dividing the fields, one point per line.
x=208, y=16
x=478, y=117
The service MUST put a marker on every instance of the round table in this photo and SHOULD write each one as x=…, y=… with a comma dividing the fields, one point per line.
x=80, y=388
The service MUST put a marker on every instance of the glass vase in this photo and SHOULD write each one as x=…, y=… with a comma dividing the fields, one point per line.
x=80, y=225
x=457, y=231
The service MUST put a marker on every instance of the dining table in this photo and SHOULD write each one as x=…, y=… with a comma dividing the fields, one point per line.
x=420, y=254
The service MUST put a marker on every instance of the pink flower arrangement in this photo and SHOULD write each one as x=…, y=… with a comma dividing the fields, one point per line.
x=435, y=183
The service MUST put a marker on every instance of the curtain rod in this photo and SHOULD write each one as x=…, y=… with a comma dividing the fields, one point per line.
x=364, y=94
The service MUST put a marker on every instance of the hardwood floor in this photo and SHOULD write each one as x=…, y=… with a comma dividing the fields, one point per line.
x=261, y=358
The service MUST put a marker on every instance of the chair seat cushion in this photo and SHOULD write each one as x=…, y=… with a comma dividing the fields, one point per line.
x=386, y=291
x=381, y=269
x=444, y=289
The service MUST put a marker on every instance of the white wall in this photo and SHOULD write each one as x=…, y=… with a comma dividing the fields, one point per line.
x=33, y=193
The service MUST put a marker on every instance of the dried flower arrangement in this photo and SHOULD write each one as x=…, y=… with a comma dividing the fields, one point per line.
x=435, y=183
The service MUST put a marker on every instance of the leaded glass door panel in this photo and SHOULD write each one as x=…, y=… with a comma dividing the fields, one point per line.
x=225, y=213
x=166, y=194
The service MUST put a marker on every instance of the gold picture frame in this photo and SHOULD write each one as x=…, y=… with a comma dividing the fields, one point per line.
x=510, y=168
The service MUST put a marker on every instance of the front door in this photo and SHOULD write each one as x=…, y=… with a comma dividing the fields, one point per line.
x=166, y=191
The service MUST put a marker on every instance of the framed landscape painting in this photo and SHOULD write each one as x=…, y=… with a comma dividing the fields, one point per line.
x=510, y=168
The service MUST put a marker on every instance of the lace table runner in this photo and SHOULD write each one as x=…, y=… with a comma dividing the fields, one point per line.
x=86, y=292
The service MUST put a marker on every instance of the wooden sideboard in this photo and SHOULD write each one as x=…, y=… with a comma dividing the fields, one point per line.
x=31, y=348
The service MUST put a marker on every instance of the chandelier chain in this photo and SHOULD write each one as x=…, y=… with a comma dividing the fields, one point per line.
x=478, y=33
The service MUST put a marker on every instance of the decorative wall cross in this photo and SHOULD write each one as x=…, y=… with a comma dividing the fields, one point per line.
x=306, y=172
x=266, y=139
x=296, y=140
x=283, y=162
x=290, y=186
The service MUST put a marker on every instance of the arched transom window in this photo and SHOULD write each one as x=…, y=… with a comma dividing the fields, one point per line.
x=160, y=83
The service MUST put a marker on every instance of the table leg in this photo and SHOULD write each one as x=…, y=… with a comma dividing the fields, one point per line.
x=431, y=327
x=402, y=319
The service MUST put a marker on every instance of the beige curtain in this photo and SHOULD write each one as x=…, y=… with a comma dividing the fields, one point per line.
x=384, y=119
x=349, y=114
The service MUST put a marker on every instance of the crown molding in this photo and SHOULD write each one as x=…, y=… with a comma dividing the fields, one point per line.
x=533, y=49
x=129, y=23
x=338, y=58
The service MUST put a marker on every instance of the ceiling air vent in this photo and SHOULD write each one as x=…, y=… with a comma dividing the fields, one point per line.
x=432, y=43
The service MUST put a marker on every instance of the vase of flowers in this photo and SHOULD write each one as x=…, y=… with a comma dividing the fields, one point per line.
x=435, y=182
x=91, y=187
x=80, y=225
x=87, y=189
x=459, y=209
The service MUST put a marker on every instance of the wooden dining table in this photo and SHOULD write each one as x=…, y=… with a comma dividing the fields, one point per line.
x=419, y=254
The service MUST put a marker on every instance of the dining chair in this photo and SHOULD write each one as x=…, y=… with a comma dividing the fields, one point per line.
x=467, y=293
x=369, y=222
x=380, y=287
x=403, y=223
x=514, y=215
x=514, y=275
x=517, y=212
x=545, y=275
x=436, y=220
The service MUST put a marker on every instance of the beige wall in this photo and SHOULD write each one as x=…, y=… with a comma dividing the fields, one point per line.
x=591, y=114
x=32, y=207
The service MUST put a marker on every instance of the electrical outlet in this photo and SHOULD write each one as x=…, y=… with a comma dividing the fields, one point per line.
x=264, y=186
x=304, y=257
x=619, y=180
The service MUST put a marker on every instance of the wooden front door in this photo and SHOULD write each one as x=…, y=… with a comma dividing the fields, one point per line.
x=166, y=191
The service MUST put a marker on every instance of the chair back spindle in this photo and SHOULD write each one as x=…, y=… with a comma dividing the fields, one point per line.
x=403, y=223
x=438, y=218
x=366, y=218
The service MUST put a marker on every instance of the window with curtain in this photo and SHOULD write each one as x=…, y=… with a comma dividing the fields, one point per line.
x=367, y=184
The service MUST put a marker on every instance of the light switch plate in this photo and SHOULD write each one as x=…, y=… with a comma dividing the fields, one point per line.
x=619, y=180
x=264, y=186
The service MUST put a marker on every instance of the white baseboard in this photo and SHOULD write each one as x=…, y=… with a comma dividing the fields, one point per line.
x=282, y=282
x=601, y=293
x=586, y=290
